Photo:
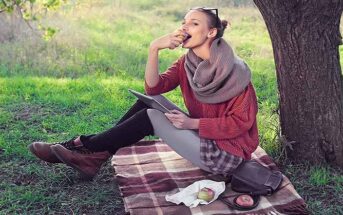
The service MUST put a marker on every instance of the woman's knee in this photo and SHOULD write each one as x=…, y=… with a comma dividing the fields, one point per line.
x=158, y=119
x=153, y=113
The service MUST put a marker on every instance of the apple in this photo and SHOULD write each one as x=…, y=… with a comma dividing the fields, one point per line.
x=206, y=194
x=182, y=36
x=245, y=200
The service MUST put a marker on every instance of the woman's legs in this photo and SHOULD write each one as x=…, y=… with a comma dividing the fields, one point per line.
x=185, y=142
x=137, y=123
x=132, y=127
x=137, y=106
x=42, y=150
x=90, y=152
x=125, y=133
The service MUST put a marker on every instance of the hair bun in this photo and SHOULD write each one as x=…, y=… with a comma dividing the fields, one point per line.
x=224, y=23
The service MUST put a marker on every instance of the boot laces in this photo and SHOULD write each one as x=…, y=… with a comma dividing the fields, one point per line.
x=69, y=144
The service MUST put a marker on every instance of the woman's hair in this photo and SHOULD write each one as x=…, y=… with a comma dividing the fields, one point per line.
x=213, y=20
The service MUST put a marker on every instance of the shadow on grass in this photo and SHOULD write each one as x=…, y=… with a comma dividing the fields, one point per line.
x=34, y=187
x=321, y=198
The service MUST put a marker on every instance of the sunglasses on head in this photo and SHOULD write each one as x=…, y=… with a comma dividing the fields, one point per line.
x=211, y=9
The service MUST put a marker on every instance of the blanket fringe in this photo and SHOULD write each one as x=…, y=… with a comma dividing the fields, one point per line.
x=295, y=209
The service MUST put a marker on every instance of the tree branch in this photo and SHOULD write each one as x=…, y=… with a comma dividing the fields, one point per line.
x=26, y=21
x=3, y=1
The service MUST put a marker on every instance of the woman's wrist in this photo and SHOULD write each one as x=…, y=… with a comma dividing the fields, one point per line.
x=195, y=123
x=153, y=47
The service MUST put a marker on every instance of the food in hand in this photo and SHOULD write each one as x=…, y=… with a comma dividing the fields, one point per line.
x=245, y=200
x=206, y=194
x=182, y=35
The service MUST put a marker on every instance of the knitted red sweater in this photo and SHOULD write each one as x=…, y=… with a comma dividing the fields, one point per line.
x=232, y=124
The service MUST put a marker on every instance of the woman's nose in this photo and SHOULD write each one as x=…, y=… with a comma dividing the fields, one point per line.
x=184, y=27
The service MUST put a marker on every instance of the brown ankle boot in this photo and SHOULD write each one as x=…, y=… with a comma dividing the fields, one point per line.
x=81, y=159
x=43, y=151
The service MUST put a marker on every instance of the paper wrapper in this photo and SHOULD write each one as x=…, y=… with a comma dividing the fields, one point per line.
x=188, y=195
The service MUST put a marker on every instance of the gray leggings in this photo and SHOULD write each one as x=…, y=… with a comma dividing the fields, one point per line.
x=183, y=141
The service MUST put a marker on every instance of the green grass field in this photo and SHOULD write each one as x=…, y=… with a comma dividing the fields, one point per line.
x=77, y=84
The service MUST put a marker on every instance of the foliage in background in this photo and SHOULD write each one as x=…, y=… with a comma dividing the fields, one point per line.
x=32, y=12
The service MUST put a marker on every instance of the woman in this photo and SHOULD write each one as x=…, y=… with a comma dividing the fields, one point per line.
x=220, y=131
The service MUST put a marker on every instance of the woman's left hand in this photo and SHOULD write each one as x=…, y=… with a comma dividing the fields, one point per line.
x=182, y=121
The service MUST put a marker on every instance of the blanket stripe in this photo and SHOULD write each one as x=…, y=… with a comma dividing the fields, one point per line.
x=148, y=170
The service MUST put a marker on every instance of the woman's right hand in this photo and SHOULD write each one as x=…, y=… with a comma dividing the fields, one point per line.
x=170, y=41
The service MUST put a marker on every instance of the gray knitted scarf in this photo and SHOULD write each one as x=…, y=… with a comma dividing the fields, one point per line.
x=220, y=78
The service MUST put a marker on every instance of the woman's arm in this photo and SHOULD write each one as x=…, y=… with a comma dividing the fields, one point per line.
x=238, y=120
x=168, y=80
x=170, y=41
x=151, y=70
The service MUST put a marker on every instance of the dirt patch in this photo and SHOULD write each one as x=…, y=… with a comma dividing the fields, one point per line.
x=23, y=180
x=25, y=112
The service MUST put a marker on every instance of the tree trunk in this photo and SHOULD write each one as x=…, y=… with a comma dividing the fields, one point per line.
x=305, y=37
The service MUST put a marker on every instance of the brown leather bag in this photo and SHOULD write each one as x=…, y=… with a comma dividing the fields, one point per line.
x=253, y=178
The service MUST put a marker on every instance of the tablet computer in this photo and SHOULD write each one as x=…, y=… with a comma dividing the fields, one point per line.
x=150, y=101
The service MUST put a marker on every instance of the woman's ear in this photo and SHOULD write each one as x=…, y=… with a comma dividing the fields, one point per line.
x=212, y=33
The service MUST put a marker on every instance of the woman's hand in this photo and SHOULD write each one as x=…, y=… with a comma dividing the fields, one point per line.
x=182, y=121
x=170, y=41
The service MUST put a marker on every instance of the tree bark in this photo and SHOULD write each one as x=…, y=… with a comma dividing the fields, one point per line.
x=305, y=37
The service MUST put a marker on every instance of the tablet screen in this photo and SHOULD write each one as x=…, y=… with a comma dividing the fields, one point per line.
x=150, y=101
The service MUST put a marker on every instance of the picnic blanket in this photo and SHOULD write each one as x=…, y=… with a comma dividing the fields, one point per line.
x=148, y=170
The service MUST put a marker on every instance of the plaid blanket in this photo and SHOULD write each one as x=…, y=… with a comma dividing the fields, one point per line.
x=149, y=170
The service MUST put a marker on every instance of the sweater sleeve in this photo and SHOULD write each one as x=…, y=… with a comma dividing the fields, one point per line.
x=168, y=80
x=236, y=121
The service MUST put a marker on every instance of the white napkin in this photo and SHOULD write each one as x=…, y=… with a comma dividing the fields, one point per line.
x=189, y=194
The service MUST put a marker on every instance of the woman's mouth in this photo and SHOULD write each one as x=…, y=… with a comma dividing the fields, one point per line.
x=187, y=38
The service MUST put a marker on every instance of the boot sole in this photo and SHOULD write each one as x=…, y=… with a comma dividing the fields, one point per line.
x=83, y=174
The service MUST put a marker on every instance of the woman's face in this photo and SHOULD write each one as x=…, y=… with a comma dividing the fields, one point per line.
x=195, y=24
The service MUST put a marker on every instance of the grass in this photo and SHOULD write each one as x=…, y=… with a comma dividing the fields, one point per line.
x=33, y=187
x=319, y=176
x=77, y=84
x=321, y=187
